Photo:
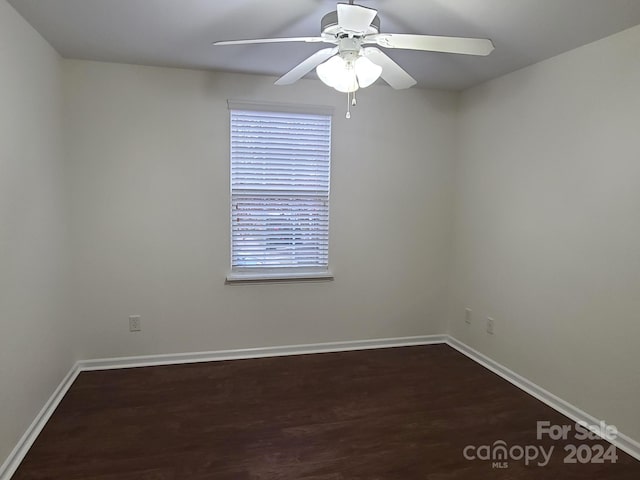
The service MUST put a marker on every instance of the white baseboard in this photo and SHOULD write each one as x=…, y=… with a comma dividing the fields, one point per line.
x=622, y=441
x=11, y=464
x=177, y=358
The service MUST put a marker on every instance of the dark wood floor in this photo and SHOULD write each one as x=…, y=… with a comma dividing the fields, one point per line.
x=401, y=413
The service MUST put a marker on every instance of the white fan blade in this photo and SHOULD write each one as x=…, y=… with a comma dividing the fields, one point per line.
x=355, y=18
x=271, y=40
x=392, y=73
x=305, y=67
x=465, y=46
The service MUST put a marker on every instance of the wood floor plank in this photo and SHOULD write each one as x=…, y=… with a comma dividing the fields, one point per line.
x=398, y=413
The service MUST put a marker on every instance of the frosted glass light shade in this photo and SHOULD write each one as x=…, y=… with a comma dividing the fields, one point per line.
x=367, y=72
x=347, y=81
x=330, y=70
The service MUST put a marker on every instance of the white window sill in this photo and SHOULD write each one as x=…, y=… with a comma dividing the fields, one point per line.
x=269, y=277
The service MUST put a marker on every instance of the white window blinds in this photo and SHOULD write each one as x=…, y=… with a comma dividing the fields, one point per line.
x=280, y=164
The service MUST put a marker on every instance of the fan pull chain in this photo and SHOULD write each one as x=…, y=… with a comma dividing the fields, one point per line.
x=351, y=102
x=348, y=115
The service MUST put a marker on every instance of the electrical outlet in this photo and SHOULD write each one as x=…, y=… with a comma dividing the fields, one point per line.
x=134, y=323
x=467, y=316
x=490, y=325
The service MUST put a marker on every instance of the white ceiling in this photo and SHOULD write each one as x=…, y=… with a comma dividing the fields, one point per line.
x=178, y=33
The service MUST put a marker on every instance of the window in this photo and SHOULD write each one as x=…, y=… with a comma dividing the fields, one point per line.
x=280, y=164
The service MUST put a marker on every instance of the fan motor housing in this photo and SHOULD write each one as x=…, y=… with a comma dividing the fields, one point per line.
x=329, y=25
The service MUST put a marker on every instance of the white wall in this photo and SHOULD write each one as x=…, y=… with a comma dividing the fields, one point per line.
x=149, y=166
x=547, y=225
x=35, y=348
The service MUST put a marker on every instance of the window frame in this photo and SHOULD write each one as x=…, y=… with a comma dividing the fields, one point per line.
x=277, y=274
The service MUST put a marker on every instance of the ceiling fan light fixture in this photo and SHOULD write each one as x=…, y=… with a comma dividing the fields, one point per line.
x=339, y=74
x=353, y=62
x=347, y=76
x=354, y=30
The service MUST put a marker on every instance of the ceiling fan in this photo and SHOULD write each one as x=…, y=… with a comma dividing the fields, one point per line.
x=352, y=63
